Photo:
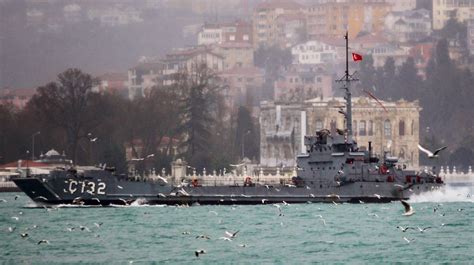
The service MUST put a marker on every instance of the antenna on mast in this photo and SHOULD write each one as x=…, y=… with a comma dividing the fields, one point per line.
x=346, y=79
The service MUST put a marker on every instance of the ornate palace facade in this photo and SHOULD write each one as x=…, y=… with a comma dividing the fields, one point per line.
x=392, y=127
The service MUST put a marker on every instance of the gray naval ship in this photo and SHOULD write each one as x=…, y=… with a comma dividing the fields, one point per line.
x=332, y=170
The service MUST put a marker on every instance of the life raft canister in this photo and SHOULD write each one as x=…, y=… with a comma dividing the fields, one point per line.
x=248, y=181
x=383, y=169
x=195, y=182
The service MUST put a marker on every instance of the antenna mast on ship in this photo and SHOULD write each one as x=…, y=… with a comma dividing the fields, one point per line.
x=347, y=79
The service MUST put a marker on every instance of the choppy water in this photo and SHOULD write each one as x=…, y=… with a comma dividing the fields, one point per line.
x=305, y=233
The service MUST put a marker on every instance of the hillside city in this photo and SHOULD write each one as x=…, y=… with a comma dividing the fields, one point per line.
x=234, y=80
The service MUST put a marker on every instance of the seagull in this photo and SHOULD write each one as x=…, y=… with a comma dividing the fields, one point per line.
x=40, y=197
x=124, y=201
x=378, y=196
x=423, y=229
x=94, y=139
x=214, y=212
x=16, y=197
x=150, y=155
x=335, y=203
x=264, y=200
x=11, y=229
x=361, y=202
x=120, y=187
x=186, y=233
x=242, y=245
x=230, y=234
x=23, y=235
x=161, y=195
x=43, y=241
x=429, y=153
x=285, y=203
x=84, y=228
x=15, y=218
x=3, y=200
x=70, y=229
x=404, y=229
x=225, y=238
x=373, y=214
x=333, y=195
x=408, y=209
x=98, y=224
x=164, y=180
x=199, y=251
x=203, y=237
x=312, y=195
x=408, y=240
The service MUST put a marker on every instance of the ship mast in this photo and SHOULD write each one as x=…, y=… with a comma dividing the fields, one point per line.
x=346, y=80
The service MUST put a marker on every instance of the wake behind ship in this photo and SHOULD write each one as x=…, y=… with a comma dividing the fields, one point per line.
x=333, y=169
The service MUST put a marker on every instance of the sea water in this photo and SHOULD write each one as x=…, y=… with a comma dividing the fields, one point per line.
x=267, y=234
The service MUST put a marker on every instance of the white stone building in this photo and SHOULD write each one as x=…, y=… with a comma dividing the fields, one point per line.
x=283, y=125
x=315, y=52
x=408, y=26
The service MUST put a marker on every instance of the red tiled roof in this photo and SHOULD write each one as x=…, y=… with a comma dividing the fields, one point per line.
x=370, y=38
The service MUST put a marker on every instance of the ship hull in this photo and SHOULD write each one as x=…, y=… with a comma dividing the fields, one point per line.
x=111, y=191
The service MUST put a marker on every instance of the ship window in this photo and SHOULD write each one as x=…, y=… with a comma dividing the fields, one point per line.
x=320, y=186
x=387, y=128
x=362, y=129
x=371, y=128
x=401, y=128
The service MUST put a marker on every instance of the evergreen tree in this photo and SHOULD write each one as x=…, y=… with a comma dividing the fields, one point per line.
x=200, y=97
x=246, y=137
x=409, y=82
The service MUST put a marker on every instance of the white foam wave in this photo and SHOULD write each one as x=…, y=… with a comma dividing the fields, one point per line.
x=445, y=194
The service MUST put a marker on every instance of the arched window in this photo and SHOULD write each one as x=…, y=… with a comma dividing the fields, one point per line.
x=401, y=128
x=362, y=129
x=319, y=125
x=371, y=128
x=387, y=128
x=333, y=126
x=354, y=128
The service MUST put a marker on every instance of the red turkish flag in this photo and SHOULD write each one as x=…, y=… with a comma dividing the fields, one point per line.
x=356, y=57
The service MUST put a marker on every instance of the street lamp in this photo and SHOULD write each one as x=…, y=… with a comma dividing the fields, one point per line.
x=33, y=145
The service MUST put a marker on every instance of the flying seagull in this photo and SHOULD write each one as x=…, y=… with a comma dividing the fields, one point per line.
x=23, y=235
x=429, y=153
x=408, y=209
x=43, y=241
x=230, y=234
x=164, y=180
x=199, y=251
x=423, y=229
x=404, y=229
